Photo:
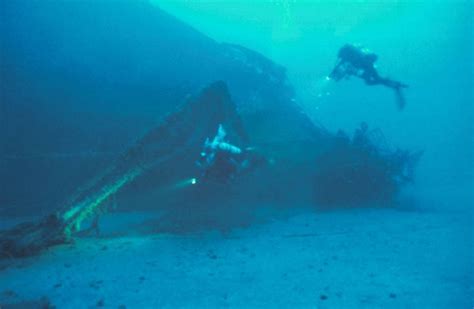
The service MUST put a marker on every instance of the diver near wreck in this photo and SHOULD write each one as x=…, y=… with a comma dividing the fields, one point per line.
x=221, y=161
x=356, y=61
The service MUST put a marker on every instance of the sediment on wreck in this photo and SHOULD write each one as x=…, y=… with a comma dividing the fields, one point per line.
x=176, y=138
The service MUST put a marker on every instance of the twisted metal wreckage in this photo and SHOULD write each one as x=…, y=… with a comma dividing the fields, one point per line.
x=183, y=132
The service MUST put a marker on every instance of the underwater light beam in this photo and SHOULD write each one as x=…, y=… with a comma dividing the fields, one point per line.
x=185, y=183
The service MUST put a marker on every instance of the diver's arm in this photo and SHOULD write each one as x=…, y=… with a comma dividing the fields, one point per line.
x=333, y=74
x=338, y=72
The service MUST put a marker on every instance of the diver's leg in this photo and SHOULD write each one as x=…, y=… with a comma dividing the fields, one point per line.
x=393, y=83
x=397, y=87
x=389, y=83
x=400, y=98
x=371, y=81
x=371, y=76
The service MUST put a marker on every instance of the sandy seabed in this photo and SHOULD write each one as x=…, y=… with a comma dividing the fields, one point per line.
x=366, y=258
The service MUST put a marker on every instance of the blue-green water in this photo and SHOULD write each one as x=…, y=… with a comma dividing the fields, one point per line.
x=309, y=219
x=426, y=44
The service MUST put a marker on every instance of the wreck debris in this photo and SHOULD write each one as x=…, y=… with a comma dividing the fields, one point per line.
x=178, y=134
x=362, y=170
x=358, y=170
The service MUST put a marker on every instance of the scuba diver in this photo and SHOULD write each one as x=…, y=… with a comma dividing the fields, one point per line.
x=221, y=161
x=360, y=62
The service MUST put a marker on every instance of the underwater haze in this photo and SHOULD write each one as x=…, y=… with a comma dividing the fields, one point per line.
x=429, y=45
x=228, y=153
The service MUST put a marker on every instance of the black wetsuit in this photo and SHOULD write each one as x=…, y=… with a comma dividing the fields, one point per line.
x=354, y=61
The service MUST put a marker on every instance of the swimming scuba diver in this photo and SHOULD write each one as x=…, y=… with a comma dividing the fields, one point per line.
x=360, y=62
x=221, y=161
